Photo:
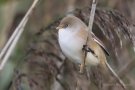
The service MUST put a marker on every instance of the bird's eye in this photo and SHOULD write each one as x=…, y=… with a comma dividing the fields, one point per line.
x=65, y=25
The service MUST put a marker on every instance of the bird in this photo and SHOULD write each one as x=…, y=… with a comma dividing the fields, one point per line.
x=72, y=36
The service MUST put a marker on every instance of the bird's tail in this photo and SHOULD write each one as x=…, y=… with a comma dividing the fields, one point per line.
x=116, y=76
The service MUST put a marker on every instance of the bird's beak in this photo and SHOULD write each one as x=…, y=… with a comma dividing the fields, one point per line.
x=59, y=27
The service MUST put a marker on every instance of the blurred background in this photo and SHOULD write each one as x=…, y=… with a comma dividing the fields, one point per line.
x=37, y=62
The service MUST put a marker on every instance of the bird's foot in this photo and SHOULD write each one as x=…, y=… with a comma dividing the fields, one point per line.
x=85, y=48
x=88, y=50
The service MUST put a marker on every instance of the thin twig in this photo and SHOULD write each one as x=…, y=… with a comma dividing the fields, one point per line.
x=92, y=14
x=17, y=33
x=62, y=83
x=78, y=86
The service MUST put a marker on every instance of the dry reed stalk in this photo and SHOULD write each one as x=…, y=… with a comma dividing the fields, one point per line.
x=91, y=19
x=15, y=37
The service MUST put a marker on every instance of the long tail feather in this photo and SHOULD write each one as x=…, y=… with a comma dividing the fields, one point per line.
x=117, y=77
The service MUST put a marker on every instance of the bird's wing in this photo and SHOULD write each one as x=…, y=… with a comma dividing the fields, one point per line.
x=100, y=44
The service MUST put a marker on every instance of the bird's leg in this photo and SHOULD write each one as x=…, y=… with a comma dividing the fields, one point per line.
x=88, y=50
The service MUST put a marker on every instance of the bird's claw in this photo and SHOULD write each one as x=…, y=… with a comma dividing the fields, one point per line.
x=85, y=48
x=88, y=50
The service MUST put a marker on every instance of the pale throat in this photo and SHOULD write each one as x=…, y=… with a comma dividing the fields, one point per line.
x=64, y=33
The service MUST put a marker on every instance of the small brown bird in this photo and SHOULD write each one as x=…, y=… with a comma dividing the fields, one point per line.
x=72, y=37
